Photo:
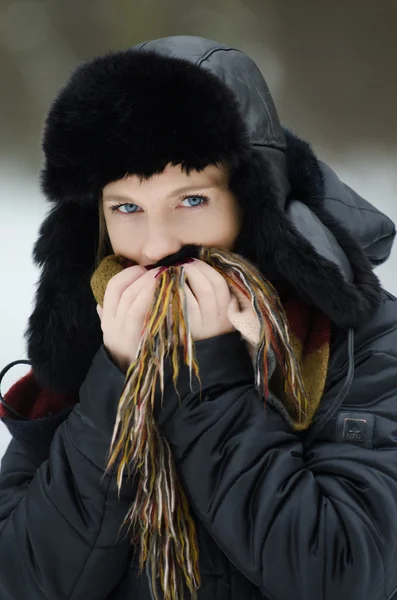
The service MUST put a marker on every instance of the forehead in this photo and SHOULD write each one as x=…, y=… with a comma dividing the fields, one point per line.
x=170, y=180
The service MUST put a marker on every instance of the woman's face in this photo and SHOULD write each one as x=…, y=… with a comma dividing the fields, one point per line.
x=151, y=219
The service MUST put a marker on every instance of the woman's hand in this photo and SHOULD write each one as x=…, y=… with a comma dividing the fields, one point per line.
x=129, y=295
x=208, y=300
x=127, y=299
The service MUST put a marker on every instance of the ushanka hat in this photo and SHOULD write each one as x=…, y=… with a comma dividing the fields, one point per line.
x=191, y=102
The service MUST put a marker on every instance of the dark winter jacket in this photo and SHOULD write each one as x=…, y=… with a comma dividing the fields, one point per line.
x=279, y=515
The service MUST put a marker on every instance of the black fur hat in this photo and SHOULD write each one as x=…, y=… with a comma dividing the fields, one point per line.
x=189, y=102
x=133, y=113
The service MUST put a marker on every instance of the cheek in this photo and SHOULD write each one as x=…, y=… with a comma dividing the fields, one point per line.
x=121, y=239
x=220, y=228
x=228, y=233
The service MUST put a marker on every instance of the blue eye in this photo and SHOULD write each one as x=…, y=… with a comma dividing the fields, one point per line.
x=195, y=200
x=118, y=207
x=128, y=209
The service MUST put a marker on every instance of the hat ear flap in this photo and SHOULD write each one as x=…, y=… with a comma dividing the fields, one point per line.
x=64, y=331
x=274, y=243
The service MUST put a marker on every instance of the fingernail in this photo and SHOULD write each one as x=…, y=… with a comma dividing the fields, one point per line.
x=160, y=271
x=180, y=263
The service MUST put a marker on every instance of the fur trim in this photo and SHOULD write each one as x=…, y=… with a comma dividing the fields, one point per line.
x=133, y=113
x=274, y=244
x=303, y=170
x=63, y=332
x=353, y=303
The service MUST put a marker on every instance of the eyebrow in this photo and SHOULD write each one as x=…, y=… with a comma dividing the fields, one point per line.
x=118, y=198
x=173, y=194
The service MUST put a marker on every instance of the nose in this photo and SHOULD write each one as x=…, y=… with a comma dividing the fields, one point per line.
x=159, y=244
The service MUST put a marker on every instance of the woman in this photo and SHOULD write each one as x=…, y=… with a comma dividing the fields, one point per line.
x=171, y=143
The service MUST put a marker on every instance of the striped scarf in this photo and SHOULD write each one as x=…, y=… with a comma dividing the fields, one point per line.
x=288, y=338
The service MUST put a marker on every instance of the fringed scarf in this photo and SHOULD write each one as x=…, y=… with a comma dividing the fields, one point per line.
x=159, y=516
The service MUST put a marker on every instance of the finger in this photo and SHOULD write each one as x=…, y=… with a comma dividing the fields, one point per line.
x=221, y=288
x=132, y=292
x=116, y=287
x=137, y=311
x=99, y=311
x=216, y=278
x=204, y=291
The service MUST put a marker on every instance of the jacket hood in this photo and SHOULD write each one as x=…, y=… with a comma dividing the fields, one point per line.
x=190, y=101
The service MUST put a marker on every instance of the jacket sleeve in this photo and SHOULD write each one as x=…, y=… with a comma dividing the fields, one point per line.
x=59, y=518
x=307, y=524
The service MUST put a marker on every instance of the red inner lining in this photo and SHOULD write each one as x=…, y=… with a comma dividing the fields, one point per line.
x=34, y=402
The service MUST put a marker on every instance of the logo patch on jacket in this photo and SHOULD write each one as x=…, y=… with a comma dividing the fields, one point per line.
x=355, y=428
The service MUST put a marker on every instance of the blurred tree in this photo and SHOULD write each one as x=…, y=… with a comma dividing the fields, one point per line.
x=329, y=65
